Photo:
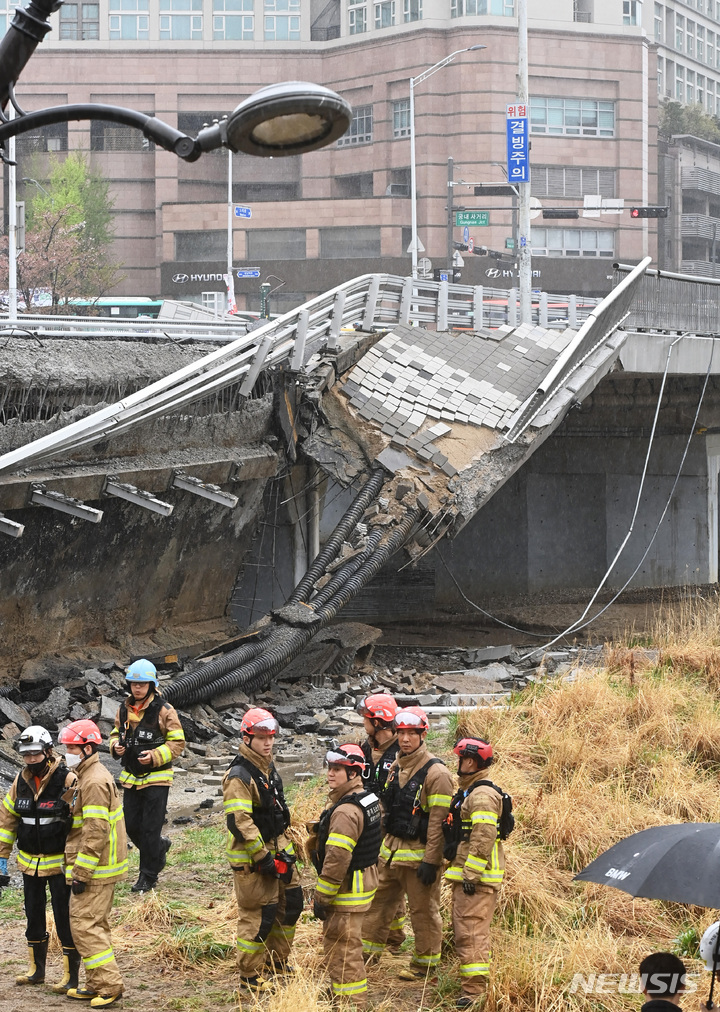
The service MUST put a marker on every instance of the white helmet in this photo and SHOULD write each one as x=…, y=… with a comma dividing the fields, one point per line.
x=34, y=739
x=708, y=943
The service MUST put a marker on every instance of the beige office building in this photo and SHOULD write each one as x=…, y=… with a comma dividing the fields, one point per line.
x=322, y=218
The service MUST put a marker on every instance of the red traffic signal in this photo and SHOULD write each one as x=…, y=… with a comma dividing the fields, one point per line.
x=648, y=212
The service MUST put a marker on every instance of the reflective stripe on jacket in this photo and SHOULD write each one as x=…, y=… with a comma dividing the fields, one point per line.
x=435, y=799
x=96, y=848
x=42, y=865
x=350, y=891
x=170, y=727
x=245, y=845
x=480, y=857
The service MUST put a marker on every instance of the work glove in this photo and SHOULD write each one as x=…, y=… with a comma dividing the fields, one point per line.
x=78, y=887
x=427, y=873
x=468, y=887
x=267, y=865
x=3, y=866
x=320, y=910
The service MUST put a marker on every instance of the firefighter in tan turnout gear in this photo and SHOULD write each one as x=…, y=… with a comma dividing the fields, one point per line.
x=345, y=845
x=95, y=859
x=479, y=818
x=267, y=885
x=416, y=800
x=147, y=737
x=36, y=812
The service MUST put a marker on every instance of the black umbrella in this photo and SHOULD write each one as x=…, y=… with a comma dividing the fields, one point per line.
x=676, y=863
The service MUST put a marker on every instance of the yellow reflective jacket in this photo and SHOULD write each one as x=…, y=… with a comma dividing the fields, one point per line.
x=96, y=849
x=171, y=729
x=245, y=845
x=435, y=799
x=42, y=865
x=480, y=857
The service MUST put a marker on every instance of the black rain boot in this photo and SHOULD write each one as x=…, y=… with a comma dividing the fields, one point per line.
x=71, y=968
x=37, y=952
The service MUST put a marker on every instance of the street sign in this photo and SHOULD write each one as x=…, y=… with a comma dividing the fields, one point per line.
x=243, y=212
x=509, y=244
x=518, y=147
x=466, y=234
x=471, y=245
x=248, y=272
x=477, y=218
x=424, y=267
x=535, y=207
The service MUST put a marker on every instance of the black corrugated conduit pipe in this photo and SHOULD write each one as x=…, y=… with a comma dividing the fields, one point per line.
x=345, y=572
x=285, y=642
x=179, y=688
x=332, y=546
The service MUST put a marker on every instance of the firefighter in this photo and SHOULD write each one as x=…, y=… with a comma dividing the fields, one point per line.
x=147, y=737
x=35, y=813
x=380, y=750
x=267, y=884
x=416, y=800
x=95, y=859
x=477, y=866
x=345, y=847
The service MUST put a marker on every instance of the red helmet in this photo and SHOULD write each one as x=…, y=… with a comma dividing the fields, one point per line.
x=476, y=748
x=259, y=721
x=413, y=718
x=80, y=732
x=381, y=706
x=351, y=756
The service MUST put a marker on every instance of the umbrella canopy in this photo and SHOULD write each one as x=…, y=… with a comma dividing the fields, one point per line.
x=676, y=863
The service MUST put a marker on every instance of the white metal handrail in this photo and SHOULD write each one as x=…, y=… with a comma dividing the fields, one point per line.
x=370, y=301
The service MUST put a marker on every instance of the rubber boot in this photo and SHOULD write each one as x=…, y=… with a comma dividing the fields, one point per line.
x=37, y=954
x=71, y=968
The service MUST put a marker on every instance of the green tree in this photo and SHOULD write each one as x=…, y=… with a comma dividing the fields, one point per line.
x=676, y=118
x=74, y=185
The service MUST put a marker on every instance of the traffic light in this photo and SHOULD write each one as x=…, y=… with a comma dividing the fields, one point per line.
x=560, y=212
x=648, y=212
x=462, y=246
x=480, y=251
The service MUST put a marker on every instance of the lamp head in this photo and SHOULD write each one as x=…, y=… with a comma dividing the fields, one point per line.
x=473, y=48
x=282, y=119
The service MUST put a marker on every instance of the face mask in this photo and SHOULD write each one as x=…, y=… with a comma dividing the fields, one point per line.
x=71, y=759
x=38, y=769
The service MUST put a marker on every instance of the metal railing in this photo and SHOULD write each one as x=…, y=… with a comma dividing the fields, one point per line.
x=372, y=301
x=680, y=303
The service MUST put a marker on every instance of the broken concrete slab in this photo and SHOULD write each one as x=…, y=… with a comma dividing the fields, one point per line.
x=10, y=711
x=484, y=655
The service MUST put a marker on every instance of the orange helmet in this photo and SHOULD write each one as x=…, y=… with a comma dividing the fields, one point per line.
x=351, y=756
x=80, y=732
x=381, y=706
x=412, y=718
x=259, y=721
x=475, y=748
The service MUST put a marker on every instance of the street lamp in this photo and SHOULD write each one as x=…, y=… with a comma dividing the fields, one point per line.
x=27, y=179
x=414, y=81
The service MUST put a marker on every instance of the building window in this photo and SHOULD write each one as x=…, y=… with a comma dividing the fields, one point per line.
x=572, y=242
x=276, y=244
x=690, y=86
x=385, y=14
x=469, y=8
x=572, y=181
x=357, y=20
x=679, y=32
x=179, y=23
x=690, y=38
x=583, y=10
x=632, y=12
x=233, y=19
x=679, y=83
x=362, y=241
x=282, y=28
x=80, y=21
x=47, y=138
x=7, y=9
x=572, y=116
x=358, y=185
x=658, y=23
x=125, y=25
x=700, y=43
x=412, y=10
x=401, y=118
x=107, y=136
x=247, y=193
x=209, y=245
x=660, y=75
x=710, y=48
x=360, y=130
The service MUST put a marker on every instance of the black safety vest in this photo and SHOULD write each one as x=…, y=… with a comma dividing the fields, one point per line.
x=45, y=823
x=141, y=737
x=457, y=831
x=405, y=817
x=367, y=849
x=272, y=816
x=375, y=777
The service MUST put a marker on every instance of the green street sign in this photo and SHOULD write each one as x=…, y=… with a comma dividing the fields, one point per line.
x=477, y=218
x=509, y=244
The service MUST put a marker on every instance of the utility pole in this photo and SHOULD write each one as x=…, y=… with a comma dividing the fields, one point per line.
x=525, y=250
x=230, y=277
x=12, y=226
x=450, y=214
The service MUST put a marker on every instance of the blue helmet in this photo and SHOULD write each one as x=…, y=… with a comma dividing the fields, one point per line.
x=142, y=671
